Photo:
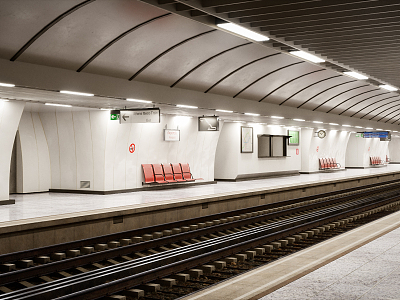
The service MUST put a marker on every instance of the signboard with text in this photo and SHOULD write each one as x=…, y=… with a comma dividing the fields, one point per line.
x=376, y=134
x=144, y=115
x=294, y=139
x=172, y=135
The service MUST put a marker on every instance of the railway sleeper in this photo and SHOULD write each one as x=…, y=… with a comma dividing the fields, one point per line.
x=278, y=244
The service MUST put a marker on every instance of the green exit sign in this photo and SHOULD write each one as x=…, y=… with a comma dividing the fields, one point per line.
x=114, y=117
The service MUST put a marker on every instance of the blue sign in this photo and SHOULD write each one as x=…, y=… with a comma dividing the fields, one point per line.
x=376, y=134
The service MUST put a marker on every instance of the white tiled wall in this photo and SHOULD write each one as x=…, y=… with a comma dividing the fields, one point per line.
x=87, y=146
x=230, y=162
x=332, y=146
x=10, y=114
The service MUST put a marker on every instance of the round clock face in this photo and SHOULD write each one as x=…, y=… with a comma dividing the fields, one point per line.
x=321, y=134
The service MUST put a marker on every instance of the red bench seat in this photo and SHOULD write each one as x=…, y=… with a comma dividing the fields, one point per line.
x=328, y=163
x=167, y=173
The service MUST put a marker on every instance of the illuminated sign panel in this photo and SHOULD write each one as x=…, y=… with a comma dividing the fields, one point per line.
x=376, y=134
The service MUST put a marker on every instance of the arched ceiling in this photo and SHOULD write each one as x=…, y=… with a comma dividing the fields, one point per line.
x=136, y=41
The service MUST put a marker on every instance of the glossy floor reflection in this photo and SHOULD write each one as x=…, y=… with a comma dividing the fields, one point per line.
x=369, y=272
x=47, y=204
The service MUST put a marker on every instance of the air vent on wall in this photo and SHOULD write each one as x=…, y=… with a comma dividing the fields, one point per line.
x=85, y=184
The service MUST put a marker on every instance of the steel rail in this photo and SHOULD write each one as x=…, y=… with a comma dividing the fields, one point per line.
x=24, y=274
x=27, y=254
x=128, y=282
x=75, y=284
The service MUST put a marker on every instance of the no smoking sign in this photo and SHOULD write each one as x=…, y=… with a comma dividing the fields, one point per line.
x=132, y=148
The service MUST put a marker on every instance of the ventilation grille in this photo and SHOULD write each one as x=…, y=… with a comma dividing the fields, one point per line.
x=85, y=184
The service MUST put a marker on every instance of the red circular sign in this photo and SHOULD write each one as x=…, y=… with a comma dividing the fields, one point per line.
x=132, y=148
x=297, y=151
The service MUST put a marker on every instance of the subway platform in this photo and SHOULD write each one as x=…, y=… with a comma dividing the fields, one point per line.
x=30, y=206
x=359, y=264
x=42, y=219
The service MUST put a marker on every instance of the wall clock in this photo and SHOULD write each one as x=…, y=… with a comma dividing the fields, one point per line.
x=321, y=134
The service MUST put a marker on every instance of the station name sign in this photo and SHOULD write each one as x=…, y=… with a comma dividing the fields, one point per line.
x=142, y=115
x=384, y=136
x=376, y=134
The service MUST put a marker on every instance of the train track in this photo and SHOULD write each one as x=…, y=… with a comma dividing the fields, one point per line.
x=103, y=272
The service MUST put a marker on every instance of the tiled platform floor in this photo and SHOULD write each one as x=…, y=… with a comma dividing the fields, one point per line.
x=49, y=204
x=369, y=272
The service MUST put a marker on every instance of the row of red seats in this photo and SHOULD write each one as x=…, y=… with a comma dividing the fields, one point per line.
x=375, y=160
x=328, y=163
x=168, y=173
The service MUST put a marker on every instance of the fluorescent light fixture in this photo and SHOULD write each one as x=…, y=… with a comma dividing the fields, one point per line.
x=358, y=126
x=243, y=32
x=277, y=117
x=7, y=84
x=355, y=75
x=55, y=104
x=299, y=120
x=395, y=131
x=4, y=100
x=379, y=129
x=333, y=124
x=317, y=122
x=224, y=111
x=77, y=93
x=251, y=114
x=345, y=125
x=239, y=121
x=368, y=128
x=138, y=100
x=105, y=109
x=307, y=56
x=186, y=106
x=388, y=87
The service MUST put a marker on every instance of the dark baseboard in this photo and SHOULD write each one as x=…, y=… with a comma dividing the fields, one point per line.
x=6, y=202
x=256, y=176
x=357, y=167
x=150, y=187
x=369, y=167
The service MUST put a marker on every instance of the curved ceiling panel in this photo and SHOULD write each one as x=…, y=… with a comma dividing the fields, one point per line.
x=239, y=80
x=372, y=95
x=20, y=20
x=170, y=67
x=70, y=42
x=300, y=97
x=283, y=95
x=354, y=107
x=213, y=71
x=270, y=83
x=340, y=95
x=384, y=112
x=370, y=108
x=387, y=116
x=128, y=55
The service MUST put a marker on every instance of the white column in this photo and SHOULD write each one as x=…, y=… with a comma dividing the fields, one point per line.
x=10, y=115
